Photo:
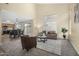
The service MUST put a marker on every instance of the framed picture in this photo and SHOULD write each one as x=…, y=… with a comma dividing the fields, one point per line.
x=76, y=13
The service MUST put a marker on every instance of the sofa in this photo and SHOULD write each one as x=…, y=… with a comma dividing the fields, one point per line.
x=51, y=35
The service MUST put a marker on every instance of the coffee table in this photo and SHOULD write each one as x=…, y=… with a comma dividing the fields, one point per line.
x=42, y=38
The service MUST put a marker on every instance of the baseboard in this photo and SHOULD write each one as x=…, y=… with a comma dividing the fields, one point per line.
x=74, y=47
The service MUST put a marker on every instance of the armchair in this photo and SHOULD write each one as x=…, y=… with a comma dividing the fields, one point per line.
x=28, y=42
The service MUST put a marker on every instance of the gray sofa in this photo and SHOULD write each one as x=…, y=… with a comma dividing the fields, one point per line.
x=51, y=35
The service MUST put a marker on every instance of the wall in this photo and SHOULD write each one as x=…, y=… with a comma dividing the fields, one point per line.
x=20, y=9
x=60, y=11
x=74, y=31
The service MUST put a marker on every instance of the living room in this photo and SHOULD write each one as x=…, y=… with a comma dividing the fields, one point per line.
x=34, y=19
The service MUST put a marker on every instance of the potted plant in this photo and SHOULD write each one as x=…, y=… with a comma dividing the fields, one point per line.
x=64, y=30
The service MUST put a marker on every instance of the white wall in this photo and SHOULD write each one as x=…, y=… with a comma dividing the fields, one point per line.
x=74, y=30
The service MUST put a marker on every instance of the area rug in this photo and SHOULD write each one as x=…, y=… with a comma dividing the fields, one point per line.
x=53, y=46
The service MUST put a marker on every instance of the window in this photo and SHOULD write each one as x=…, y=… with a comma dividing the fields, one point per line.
x=50, y=23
